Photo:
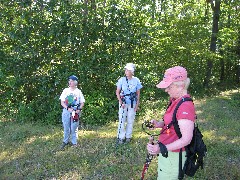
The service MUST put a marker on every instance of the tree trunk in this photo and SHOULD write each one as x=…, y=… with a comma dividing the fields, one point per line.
x=93, y=5
x=222, y=70
x=213, y=44
x=238, y=61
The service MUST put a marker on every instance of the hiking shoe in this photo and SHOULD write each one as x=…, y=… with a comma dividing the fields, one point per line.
x=128, y=140
x=120, y=141
x=63, y=145
x=70, y=143
x=74, y=145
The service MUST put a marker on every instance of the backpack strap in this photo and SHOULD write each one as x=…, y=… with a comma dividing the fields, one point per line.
x=174, y=122
x=174, y=118
x=132, y=95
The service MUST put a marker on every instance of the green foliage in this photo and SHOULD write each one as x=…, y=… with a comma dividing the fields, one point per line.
x=44, y=42
x=100, y=109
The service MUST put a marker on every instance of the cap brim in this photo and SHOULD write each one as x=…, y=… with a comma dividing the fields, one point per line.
x=163, y=84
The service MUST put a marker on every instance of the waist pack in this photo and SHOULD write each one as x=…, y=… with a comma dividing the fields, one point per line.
x=195, y=151
x=75, y=117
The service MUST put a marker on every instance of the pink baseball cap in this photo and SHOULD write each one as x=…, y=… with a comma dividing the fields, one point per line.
x=171, y=75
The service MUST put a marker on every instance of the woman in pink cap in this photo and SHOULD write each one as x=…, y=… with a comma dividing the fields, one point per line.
x=175, y=82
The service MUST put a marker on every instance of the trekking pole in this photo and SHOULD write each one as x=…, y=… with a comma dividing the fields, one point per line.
x=148, y=159
x=151, y=140
x=120, y=126
x=70, y=124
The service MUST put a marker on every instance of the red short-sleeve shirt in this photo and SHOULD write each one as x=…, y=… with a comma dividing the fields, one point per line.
x=185, y=111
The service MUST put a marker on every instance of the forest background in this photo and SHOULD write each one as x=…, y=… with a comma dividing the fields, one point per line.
x=43, y=42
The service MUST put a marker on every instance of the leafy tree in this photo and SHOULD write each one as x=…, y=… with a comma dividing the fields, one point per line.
x=44, y=42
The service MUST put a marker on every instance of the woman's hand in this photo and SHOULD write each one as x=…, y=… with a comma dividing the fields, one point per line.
x=136, y=108
x=157, y=124
x=70, y=110
x=157, y=149
x=153, y=149
x=78, y=111
x=122, y=105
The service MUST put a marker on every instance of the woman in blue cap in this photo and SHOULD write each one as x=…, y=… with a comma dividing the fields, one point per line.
x=72, y=101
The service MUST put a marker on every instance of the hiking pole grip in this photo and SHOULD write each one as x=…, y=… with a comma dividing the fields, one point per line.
x=148, y=159
x=151, y=139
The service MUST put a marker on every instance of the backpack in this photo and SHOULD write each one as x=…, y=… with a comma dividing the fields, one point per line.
x=195, y=151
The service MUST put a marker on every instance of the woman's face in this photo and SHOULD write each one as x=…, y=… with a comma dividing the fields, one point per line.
x=174, y=91
x=71, y=83
x=128, y=73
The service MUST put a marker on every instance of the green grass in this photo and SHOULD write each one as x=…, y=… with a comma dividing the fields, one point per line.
x=31, y=151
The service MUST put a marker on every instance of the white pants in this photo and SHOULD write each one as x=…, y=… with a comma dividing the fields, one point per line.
x=126, y=113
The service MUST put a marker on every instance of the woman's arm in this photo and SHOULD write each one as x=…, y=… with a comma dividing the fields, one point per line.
x=186, y=128
x=118, y=95
x=157, y=124
x=81, y=105
x=63, y=104
x=138, y=99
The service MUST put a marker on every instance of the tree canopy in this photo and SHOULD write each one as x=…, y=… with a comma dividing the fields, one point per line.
x=43, y=42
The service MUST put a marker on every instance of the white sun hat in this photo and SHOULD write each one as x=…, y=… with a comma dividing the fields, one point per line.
x=130, y=66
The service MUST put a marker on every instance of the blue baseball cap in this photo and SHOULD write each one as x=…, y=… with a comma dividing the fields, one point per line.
x=72, y=77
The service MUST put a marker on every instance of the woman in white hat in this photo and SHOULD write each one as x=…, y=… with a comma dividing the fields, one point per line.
x=128, y=94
